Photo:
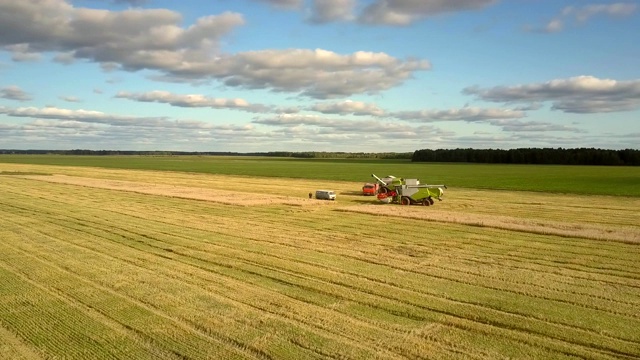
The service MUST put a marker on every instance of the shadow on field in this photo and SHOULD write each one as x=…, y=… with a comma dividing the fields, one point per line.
x=370, y=200
x=350, y=193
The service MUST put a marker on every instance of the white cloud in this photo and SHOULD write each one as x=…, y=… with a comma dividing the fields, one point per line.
x=348, y=107
x=581, y=94
x=14, y=93
x=284, y=4
x=22, y=53
x=581, y=14
x=54, y=128
x=316, y=73
x=49, y=136
x=533, y=126
x=64, y=58
x=81, y=115
x=131, y=2
x=352, y=129
x=72, y=134
x=192, y=100
x=469, y=114
x=405, y=12
x=324, y=11
x=506, y=119
x=137, y=39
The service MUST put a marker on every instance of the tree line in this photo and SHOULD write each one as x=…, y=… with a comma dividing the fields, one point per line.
x=291, y=154
x=555, y=156
x=551, y=156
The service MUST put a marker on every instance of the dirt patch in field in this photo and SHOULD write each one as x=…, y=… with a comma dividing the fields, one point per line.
x=536, y=226
x=187, y=192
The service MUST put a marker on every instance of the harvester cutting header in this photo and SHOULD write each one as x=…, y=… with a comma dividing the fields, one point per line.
x=408, y=191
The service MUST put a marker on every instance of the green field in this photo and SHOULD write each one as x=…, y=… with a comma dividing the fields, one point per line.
x=601, y=180
x=123, y=263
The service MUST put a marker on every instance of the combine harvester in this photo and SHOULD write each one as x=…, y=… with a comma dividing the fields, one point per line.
x=408, y=191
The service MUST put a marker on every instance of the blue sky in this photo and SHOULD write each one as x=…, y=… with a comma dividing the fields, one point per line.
x=318, y=75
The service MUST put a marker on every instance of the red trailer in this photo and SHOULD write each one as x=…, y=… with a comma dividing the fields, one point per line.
x=370, y=189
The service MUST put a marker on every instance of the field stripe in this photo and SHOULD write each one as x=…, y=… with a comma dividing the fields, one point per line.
x=33, y=250
x=452, y=279
x=280, y=313
x=15, y=348
x=346, y=276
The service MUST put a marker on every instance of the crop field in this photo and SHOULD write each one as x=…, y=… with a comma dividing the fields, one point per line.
x=108, y=263
x=586, y=180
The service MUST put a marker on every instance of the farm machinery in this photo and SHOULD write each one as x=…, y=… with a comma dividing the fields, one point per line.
x=408, y=191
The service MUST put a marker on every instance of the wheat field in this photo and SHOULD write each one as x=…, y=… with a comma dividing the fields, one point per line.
x=123, y=264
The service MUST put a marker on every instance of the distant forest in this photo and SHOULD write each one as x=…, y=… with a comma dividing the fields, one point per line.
x=559, y=156
x=550, y=156
x=292, y=154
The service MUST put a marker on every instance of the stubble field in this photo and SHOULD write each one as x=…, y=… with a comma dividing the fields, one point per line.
x=130, y=264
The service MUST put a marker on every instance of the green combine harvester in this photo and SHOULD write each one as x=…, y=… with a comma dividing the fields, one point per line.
x=408, y=191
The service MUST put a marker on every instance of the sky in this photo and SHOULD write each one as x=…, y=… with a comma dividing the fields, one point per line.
x=319, y=75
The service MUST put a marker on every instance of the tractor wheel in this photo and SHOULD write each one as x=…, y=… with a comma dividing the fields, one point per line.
x=405, y=200
x=431, y=201
x=426, y=202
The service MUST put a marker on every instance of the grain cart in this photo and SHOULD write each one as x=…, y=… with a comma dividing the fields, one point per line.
x=408, y=191
x=370, y=189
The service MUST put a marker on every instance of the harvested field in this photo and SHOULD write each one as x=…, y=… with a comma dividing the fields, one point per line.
x=228, y=197
x=107, y=264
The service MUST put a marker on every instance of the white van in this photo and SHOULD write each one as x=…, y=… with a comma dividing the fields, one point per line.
x=325, y=194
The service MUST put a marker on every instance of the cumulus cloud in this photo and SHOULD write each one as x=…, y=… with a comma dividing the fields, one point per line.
x=348, y=107
x=506, y=119
x=581, y=14
x=152, y=39
x=316, y=73
x=469, y=114
x=405, y=12
x=533, y=126
x=284, y=4
x=350, y=128
x=61, y=128
x=54, y=128
x=22, y=53
x=131, y=2
x=126, y=37
x=324, y=11
x=14, y=93
x=581, y=94
x=78, y=115
x=191, y=100
x=64, y=58
x=98, y=117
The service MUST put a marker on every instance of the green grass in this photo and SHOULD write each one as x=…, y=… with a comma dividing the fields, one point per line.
x=595, y=180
